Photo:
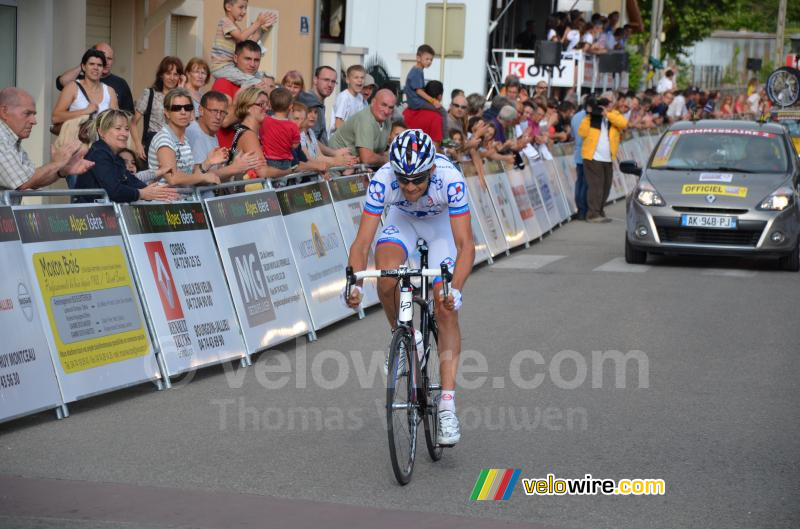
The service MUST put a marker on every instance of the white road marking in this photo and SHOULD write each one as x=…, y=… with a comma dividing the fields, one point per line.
x=527, y=261
x=727, y=272
x=618, y=264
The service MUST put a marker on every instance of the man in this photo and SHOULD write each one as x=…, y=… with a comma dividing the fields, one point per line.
x=601, y=131
x=677, y=109
x=120, y=85
x=368, y=88
x=246, y=57
x=17, y=118
x=202, y=137
x=512, y=87
x=429, y=121
x=366, y=133
x=426, y=197
x=666, y=84
x=456, y=113
x=323, y=84
x=580, y=180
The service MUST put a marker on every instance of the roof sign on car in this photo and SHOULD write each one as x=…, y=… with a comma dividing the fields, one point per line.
x=741, y=132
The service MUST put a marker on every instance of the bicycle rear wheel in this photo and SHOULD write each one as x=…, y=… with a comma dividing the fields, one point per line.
x=402, y=411
x=433, y=385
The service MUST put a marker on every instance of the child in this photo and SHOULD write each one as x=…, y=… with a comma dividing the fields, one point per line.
x=416, y=98
x=229, y=34
x=350, y=101
x=146, y=176
x=293, y=82
x=279, y=135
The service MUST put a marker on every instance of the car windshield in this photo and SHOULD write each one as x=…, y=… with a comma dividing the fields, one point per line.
x=747, y=151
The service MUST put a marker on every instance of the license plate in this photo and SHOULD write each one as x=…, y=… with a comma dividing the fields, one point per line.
x=708, y=221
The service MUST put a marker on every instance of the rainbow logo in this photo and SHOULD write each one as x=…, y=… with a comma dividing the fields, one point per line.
x=495, y=484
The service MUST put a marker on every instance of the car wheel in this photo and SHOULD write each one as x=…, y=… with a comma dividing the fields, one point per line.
x=632, y=255
x=791, y=262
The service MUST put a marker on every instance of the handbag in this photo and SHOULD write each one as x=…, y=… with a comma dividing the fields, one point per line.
x=147, y=136
x=55, y=129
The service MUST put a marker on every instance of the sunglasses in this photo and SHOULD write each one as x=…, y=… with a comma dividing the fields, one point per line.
x=405, y=180
x=189, y=107
x=460, y=107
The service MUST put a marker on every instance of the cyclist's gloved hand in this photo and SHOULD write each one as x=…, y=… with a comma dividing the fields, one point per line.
x=356, y=295
x=453, y=301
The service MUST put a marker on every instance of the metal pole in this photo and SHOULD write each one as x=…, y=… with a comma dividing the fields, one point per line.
x=444, y=39
x=779, y=34
x=655, y=32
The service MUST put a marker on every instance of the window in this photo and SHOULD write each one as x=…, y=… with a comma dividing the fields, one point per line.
x=8, y=43
x=182, y=37
x=98, y=22
x=332, y=20
x=456, y=19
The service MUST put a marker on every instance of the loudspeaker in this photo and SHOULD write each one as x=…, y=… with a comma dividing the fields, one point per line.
x=547, y=53
x=753, y=64
x=613, y=62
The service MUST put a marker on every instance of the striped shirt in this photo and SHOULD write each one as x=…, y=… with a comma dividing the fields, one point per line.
x=183, y=152
x=223, y=47
x=16, y=167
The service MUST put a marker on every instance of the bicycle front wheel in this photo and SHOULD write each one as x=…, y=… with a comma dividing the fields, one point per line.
x=402, y=411
x=433, y=385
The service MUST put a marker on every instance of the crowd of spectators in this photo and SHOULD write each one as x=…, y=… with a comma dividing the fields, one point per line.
x=180, y=133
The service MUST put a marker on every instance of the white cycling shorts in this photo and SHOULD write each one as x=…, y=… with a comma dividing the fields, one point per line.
x=404, y=231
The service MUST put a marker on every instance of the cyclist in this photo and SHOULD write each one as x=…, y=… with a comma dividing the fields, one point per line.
x=426, y=197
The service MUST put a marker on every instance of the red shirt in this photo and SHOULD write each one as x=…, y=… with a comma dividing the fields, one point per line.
x=429, y=121
x=277, y=138
x=225, y=135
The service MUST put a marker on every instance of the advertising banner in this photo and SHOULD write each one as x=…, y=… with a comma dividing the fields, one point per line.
x=184, y=289
x=542, y=178
x=505, y=205
x=349, y=194
x=565, y=163
x=559, y=196
x=94, y=327
x=318, y=249
x=480, y=204
x=516, y=180
x=529, y=73
x=260, y=267
x=625, y=149
x=27, y=379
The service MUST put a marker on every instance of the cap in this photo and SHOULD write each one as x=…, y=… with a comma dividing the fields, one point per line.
x=310, y=100
x=369, y=80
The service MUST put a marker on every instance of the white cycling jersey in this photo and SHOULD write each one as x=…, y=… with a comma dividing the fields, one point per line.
x=447, y=191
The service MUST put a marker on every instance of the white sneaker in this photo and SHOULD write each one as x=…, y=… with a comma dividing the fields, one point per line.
x=403, y=367
x=449, y=430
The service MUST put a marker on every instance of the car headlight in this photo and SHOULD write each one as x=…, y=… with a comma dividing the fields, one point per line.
x=647, y=195
x=778, y=200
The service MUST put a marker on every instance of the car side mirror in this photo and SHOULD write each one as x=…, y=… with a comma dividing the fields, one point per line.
x=630, y=167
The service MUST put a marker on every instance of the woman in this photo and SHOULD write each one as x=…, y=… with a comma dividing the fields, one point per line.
x=85, y=96
x=251, y=105
x=170, y=148
x=110, y=171
x=197, y=74
x=150, y=105
x=740, y=106
x=293, y=82
x=726, y=108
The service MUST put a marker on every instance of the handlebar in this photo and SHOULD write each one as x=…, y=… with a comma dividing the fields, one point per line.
x=400, y=273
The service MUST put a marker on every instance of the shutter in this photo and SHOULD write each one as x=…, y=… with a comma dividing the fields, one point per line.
x=98, y=22
x=173, y=35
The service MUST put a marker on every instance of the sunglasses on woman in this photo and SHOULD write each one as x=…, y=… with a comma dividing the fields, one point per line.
x=189, y=107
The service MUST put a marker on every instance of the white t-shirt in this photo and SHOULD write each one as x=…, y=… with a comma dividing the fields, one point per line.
x=603, y=151
x=665, y=85
x=752, y=101
x=677, y=109
x=588, y=38
x=200, y=142
x=551, y=34
x=347, y=105
x=573, y=38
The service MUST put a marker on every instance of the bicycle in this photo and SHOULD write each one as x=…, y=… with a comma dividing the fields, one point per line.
x=412, y=385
